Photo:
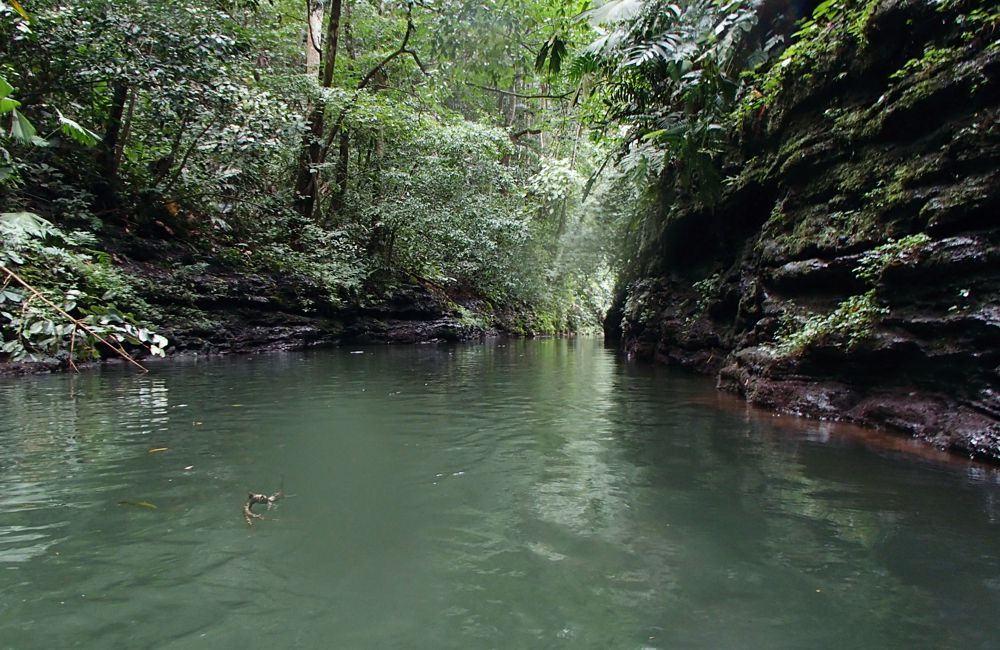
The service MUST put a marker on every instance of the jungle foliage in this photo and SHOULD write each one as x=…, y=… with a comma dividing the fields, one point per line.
x=509, y=151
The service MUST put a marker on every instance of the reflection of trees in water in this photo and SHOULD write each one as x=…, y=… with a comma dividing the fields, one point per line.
x=577, y=485
x=65, y=445
x=545, y=541
x=763, y=525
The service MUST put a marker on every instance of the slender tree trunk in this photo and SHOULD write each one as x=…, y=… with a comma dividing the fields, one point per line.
x=331, y=41
x=314, y=38
x=344, y=157
x=342, y=175
x=306, y=186
x=576, y=144
x=107, y=160
x=126, y=130
x=512, y=107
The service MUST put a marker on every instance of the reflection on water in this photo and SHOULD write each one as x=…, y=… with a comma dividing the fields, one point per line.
x=518, y=495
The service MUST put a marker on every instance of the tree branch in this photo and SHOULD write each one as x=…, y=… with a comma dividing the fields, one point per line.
x=402, y=49
x=510, y=93
x=180, y=167
x=411, y=28
x=517, y=135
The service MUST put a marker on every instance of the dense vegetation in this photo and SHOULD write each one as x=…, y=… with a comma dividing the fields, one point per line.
x=353, y=144
x=509, y=152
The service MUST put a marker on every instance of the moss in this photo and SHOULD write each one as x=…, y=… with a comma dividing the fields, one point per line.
x=755, y=171
x=815, y=229
x=834, y=26
x=959, y=200
x=793, y=148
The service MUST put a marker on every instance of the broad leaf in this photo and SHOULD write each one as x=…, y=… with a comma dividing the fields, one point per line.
x=28, y=223
x=84, y=136
x=21, y=127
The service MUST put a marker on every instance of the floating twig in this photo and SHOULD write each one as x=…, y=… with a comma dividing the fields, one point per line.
x=252, y=499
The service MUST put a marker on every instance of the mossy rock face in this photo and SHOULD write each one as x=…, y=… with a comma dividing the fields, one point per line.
x=871, y=148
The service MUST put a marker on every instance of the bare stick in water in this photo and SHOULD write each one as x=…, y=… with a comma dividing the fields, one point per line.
x=249, y=515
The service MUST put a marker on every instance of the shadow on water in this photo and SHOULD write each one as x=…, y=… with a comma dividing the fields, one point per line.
x=521, y=494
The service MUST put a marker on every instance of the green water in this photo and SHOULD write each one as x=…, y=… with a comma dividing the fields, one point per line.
x=523, y=495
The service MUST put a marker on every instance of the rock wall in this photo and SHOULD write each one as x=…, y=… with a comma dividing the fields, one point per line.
x=852, y=271
x=204, y=306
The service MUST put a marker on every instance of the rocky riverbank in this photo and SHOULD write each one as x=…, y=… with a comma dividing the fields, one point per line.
x=851, y=270
x=203, y=306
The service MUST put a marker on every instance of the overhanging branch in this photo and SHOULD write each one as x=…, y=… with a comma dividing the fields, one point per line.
x=511, y=93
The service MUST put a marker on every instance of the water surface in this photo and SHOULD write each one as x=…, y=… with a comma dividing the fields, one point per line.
x=518, y=495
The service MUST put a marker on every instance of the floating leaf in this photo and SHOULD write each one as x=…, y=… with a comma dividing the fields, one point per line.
x=138, y=504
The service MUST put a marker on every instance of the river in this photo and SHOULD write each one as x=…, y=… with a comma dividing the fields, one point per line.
x=523, y=494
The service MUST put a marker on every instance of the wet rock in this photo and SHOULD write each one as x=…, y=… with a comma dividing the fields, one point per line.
x=839, y=164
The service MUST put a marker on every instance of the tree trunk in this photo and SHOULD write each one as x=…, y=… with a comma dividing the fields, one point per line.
x=306, y=186
x=107, y=160
x=314, y=38
x=342, y=176
x=344, y=157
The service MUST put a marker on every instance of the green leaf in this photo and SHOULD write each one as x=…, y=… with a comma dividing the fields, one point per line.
x=84, y=136
x=21, y=128
x=27, y=223
x=7, y=104
x=542, y=55
x=5, y=88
